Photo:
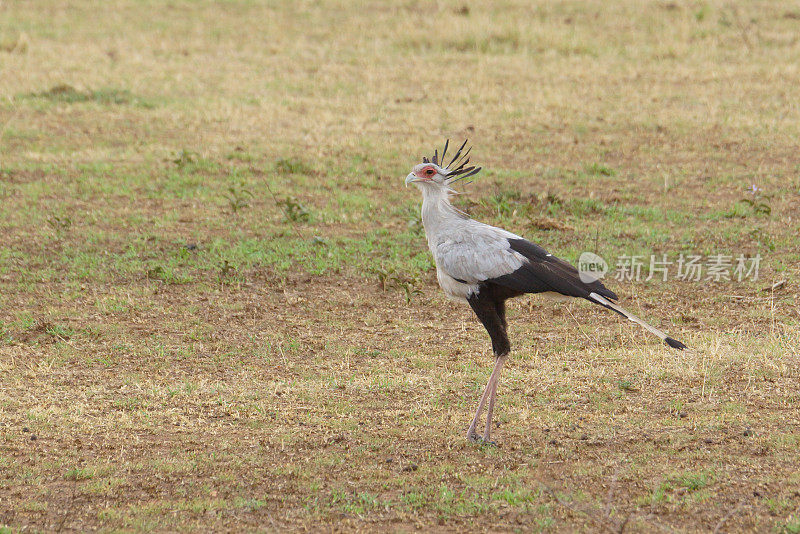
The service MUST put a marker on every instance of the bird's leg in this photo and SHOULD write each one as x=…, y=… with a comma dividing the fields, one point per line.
x=488, y=393
x=492, y=313
x=471, y=435
x=492, y=395
x=489, y=411
x=500, y=308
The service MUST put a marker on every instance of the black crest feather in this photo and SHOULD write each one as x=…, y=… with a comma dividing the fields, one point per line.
x=458, y=164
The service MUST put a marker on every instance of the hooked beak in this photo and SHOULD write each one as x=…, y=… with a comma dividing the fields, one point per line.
x=411, y=178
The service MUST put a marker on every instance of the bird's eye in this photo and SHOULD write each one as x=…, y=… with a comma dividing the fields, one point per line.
x=429, y=172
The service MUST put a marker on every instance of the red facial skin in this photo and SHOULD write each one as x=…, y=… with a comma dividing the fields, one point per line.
x=426, y=173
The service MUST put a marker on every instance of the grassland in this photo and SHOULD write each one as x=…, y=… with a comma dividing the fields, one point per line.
x=217, y=310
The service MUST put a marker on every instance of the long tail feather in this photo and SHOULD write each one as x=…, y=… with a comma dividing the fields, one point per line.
x=674, y=343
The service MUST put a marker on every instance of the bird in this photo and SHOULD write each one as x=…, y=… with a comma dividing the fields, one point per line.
x=485, y=265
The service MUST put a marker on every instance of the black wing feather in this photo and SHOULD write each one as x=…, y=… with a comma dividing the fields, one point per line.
x=545, y=272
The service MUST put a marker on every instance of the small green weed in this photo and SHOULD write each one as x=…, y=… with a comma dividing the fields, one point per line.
x=756, y=202
x=185, y=157
x=598, y=169
x=5, y=334
x=692, y=481
x=238, y=197
x=59, y=223
x=226, y=269
x=294, y=210
x=409, y=287
x=388, y=277
x=79, y=473
x=157, y=273
x=166, y=274
x=792, y=526
x=701, y=14
x=59, y=331
x=293, y=166
x=240, y=154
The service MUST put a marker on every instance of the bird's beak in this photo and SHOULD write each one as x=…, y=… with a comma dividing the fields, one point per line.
x=411, y=178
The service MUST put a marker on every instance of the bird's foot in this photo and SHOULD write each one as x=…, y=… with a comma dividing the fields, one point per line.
x=483, y=441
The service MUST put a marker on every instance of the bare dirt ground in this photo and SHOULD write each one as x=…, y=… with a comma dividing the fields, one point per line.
x=218, y=312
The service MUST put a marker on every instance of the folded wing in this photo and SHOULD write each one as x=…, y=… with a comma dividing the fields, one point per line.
x=488, y=254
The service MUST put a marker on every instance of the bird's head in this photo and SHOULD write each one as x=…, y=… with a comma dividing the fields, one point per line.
x=434, y=174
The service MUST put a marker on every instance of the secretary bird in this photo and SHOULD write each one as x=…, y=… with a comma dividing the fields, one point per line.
x=484, y=266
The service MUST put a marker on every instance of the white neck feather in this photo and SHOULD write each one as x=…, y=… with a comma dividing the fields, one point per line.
x=437, y=212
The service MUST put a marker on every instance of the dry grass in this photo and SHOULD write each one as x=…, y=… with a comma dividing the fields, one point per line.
x=217, y=309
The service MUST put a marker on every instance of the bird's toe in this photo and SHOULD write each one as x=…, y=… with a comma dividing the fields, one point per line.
x=482, y=441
